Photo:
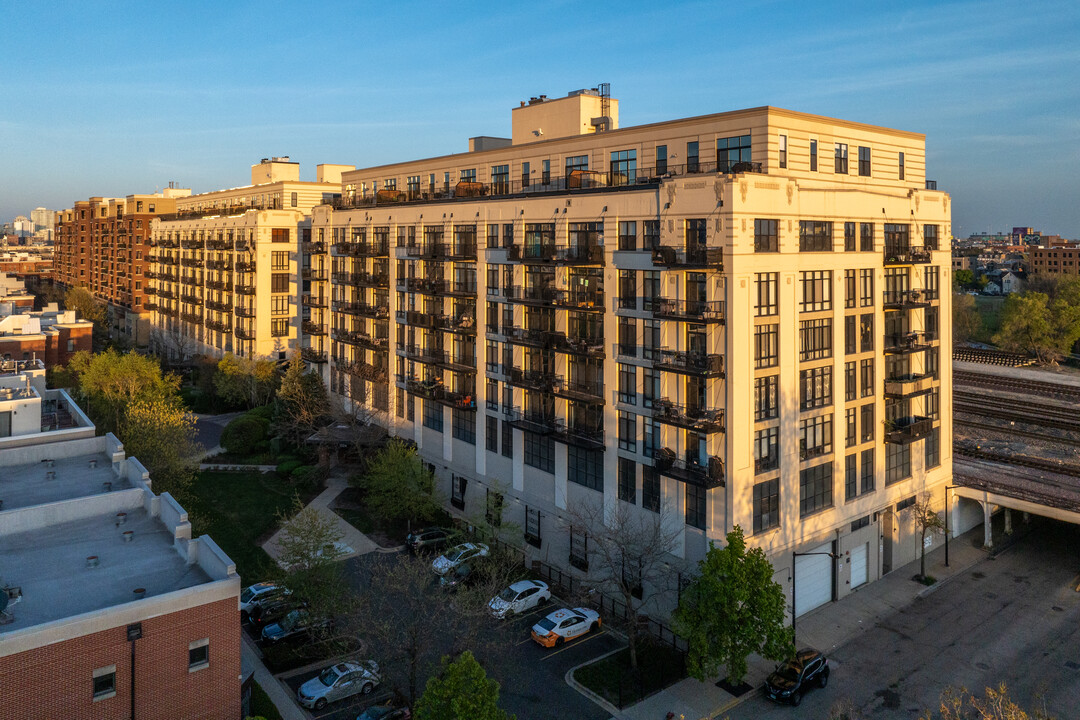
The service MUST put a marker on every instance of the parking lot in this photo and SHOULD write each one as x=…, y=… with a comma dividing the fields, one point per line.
x=532, y=678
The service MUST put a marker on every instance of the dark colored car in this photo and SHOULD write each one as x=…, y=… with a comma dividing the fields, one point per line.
x=428, y=540
x=294, y=627
x=465, y=575
x=793, y=678
x=385, y=712
x=271, y=610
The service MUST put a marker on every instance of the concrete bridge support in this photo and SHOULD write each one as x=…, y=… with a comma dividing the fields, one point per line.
x=988, y=540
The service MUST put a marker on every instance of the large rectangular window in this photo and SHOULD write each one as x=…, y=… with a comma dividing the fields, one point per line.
x=540, y=452
x=650, y=488
x=783, y=151
x=851, y=477
x=815, y=388
x=841, y=159
x=813, y=156
x=766, y=450
x=766, y=397
x=867, y=421
x=585, y=467
x=815, y=236
x=465, y=426
x=624, y=167
x=933, y=449
x=866, y=237
x=816, y=288
x=815, y=489
x=849, y=237
x=767, y=287
x=815, y=339
x=867, y=480
x=766, y=345
x=900, y=162
x=930, y=237
x=731, y=152
x=766, y=505
x=661, y=159
x=433, y=415
x=628, y=384
x=766, y=235
x=864, y=161
x=897, y=462
x=866, y=377
x=627, y=235
x=627, y=480
x=695, y=506
x=627, y=431
x=491, y=435
x=815, y=437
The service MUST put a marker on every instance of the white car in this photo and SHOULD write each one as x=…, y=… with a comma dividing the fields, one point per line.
x=563, y=625
x=519, y=597
x=457, y=555
x=337, y=682
x=254, y=594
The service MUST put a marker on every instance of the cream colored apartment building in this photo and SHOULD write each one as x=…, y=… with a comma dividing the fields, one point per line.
x=733, y=319
x=225, y=268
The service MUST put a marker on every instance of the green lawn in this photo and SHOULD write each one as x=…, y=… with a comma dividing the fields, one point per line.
x=239, y=510
x=261, y=705
x=611, y=678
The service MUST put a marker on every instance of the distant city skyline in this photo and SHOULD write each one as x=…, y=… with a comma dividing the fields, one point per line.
x=129, y=100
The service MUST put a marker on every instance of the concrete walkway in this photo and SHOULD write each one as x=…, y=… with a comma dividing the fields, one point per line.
x=353, y=542
x=277, y=691
x=825, y=628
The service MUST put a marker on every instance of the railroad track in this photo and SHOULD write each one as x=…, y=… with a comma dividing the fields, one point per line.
x=1066, y=421
x=1031, y=434
x=1008, y=384
x=1021, y=461
x=965, y=397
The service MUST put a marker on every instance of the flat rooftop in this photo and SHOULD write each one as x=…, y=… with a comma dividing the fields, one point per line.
x=30, y=483
x=49, y=565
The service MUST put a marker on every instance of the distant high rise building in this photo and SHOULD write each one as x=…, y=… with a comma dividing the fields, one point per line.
x=42, y=217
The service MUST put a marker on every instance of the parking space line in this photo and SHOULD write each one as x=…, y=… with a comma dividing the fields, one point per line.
x=585, y=639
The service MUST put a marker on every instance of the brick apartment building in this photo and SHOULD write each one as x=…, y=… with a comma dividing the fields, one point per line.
x=102, y=577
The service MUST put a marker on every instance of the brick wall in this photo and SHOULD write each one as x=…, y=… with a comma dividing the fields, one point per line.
x=56, y=681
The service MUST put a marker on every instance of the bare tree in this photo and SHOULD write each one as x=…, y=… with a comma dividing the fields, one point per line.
x=366, y=426
x=172, y=344
x=926, y=521
x=629, y=550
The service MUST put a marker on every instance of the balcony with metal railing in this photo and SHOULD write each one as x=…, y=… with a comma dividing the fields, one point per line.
x=907, y=255
x=190, y=297
x=313, y=247
x=697, y=311
x=907, y=386
x=437, y=357
x=245, y=311
x=246, y=266
x=689, y=417
x=362, y=369
x=313, y=328
x=362, y=308
x=539, y=380
x=532, y=420
x=316, y=274
x=192, y=317
x=245, y=333
x=677, y=258
x=905, y=299
x=361, y=249
x=907, y=430
x=706, y=473
x=219, y=244
x=908, y=343
x=245, y=289
x=579, y=433
x=688, y=363
x=223, y=306
x=315, y=301
x=310, y=354
x=556, y=254
x=435, y=390
x=221, y=265
x=588, y=391
x=222, y=326
x=580, y=344
x=222, y=285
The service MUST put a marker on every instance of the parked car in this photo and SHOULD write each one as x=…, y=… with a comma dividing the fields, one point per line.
x=385, y=712
x=457, y=555
x=298, y=624
x=337, y=682
x=254, y=595
x=791, y=679
x=427, y=540
x=563, y=625
x=464, y=575
x=272, y=609
x=519, y=597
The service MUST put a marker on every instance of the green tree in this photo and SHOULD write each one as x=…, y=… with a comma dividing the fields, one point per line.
x=302, y=403
x=967, y=323
x=964, y=278
x=462, y=691
x=110, y=382
x=246, y=381
x=398, y=485
x=926, y=521
x=161, y=434
x=1027, y=325
x=731, y=609
x=80, y=299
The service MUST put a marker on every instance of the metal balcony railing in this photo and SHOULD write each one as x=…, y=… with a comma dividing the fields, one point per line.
x=689, y=417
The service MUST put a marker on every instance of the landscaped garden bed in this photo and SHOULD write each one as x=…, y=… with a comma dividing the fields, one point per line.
x=612, y=678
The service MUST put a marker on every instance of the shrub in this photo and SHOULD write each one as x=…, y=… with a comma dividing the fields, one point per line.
x=242, y=435
x=287, y=467
x=265, y=412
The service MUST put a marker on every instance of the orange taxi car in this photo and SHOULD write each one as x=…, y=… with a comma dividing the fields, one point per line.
x=563, y=625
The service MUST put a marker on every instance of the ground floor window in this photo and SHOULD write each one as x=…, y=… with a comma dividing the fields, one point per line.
x=695, y=506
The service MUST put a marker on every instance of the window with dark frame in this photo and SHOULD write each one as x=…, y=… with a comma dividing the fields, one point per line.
x=731, y=152
x=695, y=506
x=851, y=477
x=815, y=489
x=628, y=384
x=458, y=483
x=540, y=452
x=867, y=479
x=766, y=505
x=815, y=437
x=766, y=345
x=932, y=448
x=900, y=163
x=491, y=434
x=867, y=422
x=104, y=682
x=866, y=377
x=816, y=286
x=815, y=339
x=851, y=429
x=813, y=155
x=897, y=462
x=815, y=236
x=766, y=449
x=585, y=467
x=815, y=387
x=766, y=397
x=628, y=235
x=199, y=651
x=507, y=439
x=767, y=287
x=627, y=431
x=849, y=288
x=849, y=237
x=661, y=159
x=766, y=235
x=866, y=237
x=627, y=480
x=650, y=488
x=433, y=415
x=783, y=151
x=864, y=161
x=840, y=166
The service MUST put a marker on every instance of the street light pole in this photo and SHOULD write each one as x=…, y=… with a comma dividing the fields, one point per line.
x=794, y=555
x=947, y=489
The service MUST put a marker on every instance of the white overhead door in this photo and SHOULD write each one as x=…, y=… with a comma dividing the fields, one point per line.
x=858, y=565
x=813, y=579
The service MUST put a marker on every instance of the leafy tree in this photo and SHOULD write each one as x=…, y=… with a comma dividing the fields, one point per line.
x=964, y=278
x=111, y=381
x=995, y=704
x=967, y=323
x=308, y=548
x=398, y=485
x=80, y=299
x=732, y=609
x=246, y=381
x=1032, y=323
x=629, y=554
x=302, y=402
x=462, y=691
x=242, y=434
x=926, y=521
x=161, y=434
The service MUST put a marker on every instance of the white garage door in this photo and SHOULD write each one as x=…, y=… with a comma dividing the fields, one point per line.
x=813, y=579
x=858, y=565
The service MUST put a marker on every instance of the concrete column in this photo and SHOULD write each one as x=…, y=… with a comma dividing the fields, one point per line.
x=988, y=541
x=1027, y=518
x=1008, y=521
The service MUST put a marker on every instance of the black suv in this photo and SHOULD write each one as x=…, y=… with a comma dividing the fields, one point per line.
x=428, y=539
x=794, y=677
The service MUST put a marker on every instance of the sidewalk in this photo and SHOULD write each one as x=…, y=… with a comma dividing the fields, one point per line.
x=353, y=542
x=825, y=628
x=277, y=692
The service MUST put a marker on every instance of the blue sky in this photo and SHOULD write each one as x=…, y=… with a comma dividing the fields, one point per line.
x=116, y=98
